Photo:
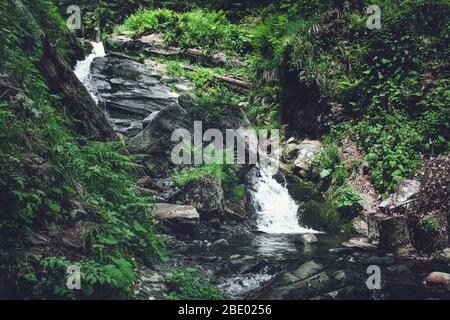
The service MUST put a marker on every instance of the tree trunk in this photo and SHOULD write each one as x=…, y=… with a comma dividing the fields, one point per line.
x=88, y=118
x=394, y=234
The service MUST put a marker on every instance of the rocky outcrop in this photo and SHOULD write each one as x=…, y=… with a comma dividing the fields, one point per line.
x=303, y=155
x=155, y=140
x=180, y=218
x=205, y=193
x=305, y=282
x=88, y=118
x=154, y=44
x=132, y=91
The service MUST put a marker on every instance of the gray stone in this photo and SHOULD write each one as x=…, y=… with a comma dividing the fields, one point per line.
x=306, y=239
x=405, y=190
x=360, y=226
x=180, y=218
x=220, y=244
x=438, y=279
x=205, y=193
x=307, y=151
x=306, y=270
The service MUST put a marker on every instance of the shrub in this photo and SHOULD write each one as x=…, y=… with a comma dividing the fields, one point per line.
x=190, y=284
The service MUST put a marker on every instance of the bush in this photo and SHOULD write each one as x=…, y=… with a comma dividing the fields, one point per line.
x=190, y=284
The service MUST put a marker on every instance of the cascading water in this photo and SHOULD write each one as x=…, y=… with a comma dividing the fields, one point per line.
x=277, y=211
x=83, y=68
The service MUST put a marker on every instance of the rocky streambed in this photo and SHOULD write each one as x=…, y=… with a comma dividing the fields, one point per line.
x=226, y=240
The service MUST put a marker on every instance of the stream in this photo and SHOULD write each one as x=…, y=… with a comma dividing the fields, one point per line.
x=265, y=257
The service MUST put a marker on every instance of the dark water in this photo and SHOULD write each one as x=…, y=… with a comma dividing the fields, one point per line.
x=252, y=261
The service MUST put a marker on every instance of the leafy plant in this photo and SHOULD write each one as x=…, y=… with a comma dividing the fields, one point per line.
x=190, y=284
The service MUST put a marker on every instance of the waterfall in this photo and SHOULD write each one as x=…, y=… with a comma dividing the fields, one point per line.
x=276, y=210
x=83, y=68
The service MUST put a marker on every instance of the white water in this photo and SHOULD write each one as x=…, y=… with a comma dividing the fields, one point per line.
x=277, y=212
x=83, y=68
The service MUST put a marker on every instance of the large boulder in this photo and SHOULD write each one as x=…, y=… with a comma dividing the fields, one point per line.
x=306, y=152
x=154, y=44
x=130, y=86
x=179, y=218
x=132, y=90
x=438, y=279
x=302, y=283
x=205, y=193
x=155, y=140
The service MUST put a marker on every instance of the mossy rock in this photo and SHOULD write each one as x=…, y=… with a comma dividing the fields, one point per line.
x=319, y=216
x=301, y=190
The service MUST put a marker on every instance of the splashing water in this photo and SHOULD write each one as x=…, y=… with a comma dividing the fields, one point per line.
x=277, y=211
x=83, y=68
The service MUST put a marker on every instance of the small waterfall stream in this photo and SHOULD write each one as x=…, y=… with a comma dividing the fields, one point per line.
x=277, y=211
x=83, y=68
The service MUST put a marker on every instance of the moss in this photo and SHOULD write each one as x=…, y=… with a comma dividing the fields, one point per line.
x=301, y=190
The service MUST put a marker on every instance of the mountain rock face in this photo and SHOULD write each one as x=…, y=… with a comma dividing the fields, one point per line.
x=131, y=91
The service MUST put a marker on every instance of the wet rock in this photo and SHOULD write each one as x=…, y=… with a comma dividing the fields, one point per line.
x=360, y=226
x=74, y=237
x=399, y=269
x=151, y=285
x=394, y=234
x=131, y=90
x=442, y=256
x=306, y=239
x=181, y=218
x=361, y=243
x=150, y=118
x=341, y=250
x=127, y=127
x=306, y=270
x=174, y=244
x=307, y=288
x=438, y=279
x=343, y=293
x=155, y=140
x=220, y=244
x=300, y=190
x=309, y=214
x=205, y=193
x=381, y=261
x=235, y=211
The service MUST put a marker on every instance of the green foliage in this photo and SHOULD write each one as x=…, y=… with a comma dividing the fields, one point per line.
x=210, y=30
x=393, y=146
x=233, y=189
x=347, y=202
x=391, y=81
x=431, y=225
x=45, y=166
x=47, y=279
x=191, y=284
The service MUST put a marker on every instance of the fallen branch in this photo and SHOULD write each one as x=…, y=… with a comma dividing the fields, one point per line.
x=228, y=80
